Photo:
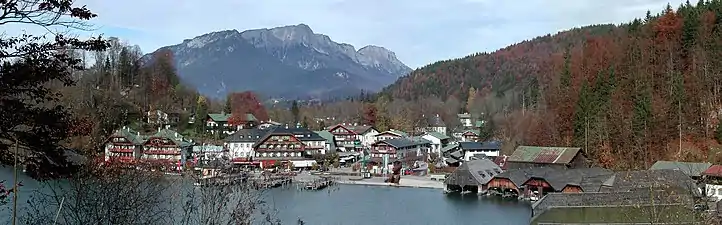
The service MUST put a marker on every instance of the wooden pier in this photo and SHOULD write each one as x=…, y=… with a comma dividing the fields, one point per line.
x=221, y=180
x=266, y=183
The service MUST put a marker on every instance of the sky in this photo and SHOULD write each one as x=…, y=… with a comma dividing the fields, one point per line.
x=418, y=31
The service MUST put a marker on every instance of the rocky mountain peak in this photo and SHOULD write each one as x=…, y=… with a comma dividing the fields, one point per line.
x=382, y=58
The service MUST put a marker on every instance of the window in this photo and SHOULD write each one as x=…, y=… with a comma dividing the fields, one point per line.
x=481, y=173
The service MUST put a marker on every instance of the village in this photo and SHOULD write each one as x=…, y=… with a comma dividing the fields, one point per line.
x=557, y=181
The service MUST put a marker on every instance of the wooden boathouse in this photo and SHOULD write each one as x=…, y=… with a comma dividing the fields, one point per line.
x=471, y=176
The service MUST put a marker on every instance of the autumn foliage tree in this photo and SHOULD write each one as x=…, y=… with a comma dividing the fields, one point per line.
x=243, y=103
x=632, y=94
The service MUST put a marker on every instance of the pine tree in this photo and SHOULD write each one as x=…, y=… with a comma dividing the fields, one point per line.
x=582, y=115
x=229, y=104
x=566, y=78
x=295, y=111
x=304, y=123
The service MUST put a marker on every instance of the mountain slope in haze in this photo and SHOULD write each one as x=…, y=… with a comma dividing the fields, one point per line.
x=289, y=61
x=632, y=94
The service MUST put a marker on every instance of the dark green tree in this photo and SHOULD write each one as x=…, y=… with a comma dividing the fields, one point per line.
x=718, y=133
x=304, y=122
x=582, y=115
x=31, y=114
x=566, y=78
x=295, y=111
x=229, y=105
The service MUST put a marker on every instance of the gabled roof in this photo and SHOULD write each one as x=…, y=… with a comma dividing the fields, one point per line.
x=464, y=116
x=172, y=135
x=401, y=142
x=393, y=132
x=646, y=179
x=303, y=134
x=480, y=170
x=689, y=168
x=489, y=145
x=247, y=135
x=219, y=117
x=328, y=136
x=438, y=135
x=129, y=134
x=457, y=154
x=449, y=148
x=544, y=155
x=475, y=132
x=713, y=171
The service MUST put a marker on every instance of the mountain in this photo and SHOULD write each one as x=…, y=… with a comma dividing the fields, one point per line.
x=630, y=94
x=289, y=61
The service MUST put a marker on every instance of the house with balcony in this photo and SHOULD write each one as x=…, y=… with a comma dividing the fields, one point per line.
x=281, y=148
x=219, y=122
x=240, y=145
x=313, y=143
x=438, y=141
x=386, y=151
x=352, y=137
x=390, y=134
x=166, y=147
x=124, y=145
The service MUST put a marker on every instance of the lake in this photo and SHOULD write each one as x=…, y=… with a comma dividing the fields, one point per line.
x=360, y=205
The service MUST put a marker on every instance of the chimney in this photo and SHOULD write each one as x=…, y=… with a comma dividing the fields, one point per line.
x=298, y=125
x=355, y=124
x=137, y=133
x=286, y=126
x=158, y=129
x=437, y=115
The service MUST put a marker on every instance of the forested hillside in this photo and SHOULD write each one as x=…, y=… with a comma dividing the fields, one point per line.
x=633, y=93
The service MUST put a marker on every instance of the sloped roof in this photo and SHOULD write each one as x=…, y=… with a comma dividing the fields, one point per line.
x=449, y=147
x=451, y=160
x=645, y=179
x=400, y=142
x=172, y=135
x=247, y=135
x=464, y=116
x=689, y=168
x=360, y=129
x=303, y=134
x=714, y=171
x=438, y=135
x=546, y=155
x=457, y=154
x=129, y=134
x=481, y=171
x=489, y=145
x=219, y=117
x=475, y=132
x=479, y=123
x=393, y=132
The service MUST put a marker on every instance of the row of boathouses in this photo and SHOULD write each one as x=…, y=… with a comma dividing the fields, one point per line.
x=564, y=189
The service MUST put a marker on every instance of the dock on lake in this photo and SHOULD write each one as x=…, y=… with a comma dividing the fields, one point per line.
x=318, y=184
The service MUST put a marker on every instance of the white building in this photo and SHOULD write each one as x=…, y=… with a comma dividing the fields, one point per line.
x=438, y=141
x=390, y=134
x=240, y=144
x=347, y=136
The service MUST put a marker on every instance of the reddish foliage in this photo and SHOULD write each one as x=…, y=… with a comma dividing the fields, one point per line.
x=243, y=103
x=369, y=114
x=80, y=126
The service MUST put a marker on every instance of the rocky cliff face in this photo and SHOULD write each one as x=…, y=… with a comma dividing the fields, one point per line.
x=289, y=61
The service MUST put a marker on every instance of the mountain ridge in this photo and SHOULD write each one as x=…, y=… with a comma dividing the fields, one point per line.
x=293, y=61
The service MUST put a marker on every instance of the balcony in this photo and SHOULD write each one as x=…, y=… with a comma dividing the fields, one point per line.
x=162, y=152
x=121, y=158
x=121, y=150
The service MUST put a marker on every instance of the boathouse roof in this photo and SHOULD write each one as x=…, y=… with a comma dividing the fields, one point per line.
x=474, y=173
x=646, y=179
x=692, y=169
x=601, y=199
x=544, y=155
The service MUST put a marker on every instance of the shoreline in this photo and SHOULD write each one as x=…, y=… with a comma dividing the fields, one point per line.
x=362, y=183
x=406, y=181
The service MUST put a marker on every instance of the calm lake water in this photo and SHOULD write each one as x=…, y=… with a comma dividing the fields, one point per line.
x=361, y=205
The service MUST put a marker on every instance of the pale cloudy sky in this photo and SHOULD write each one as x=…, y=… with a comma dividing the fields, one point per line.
x=419, y=31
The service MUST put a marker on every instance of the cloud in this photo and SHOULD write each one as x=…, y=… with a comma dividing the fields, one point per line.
x=420, y=32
